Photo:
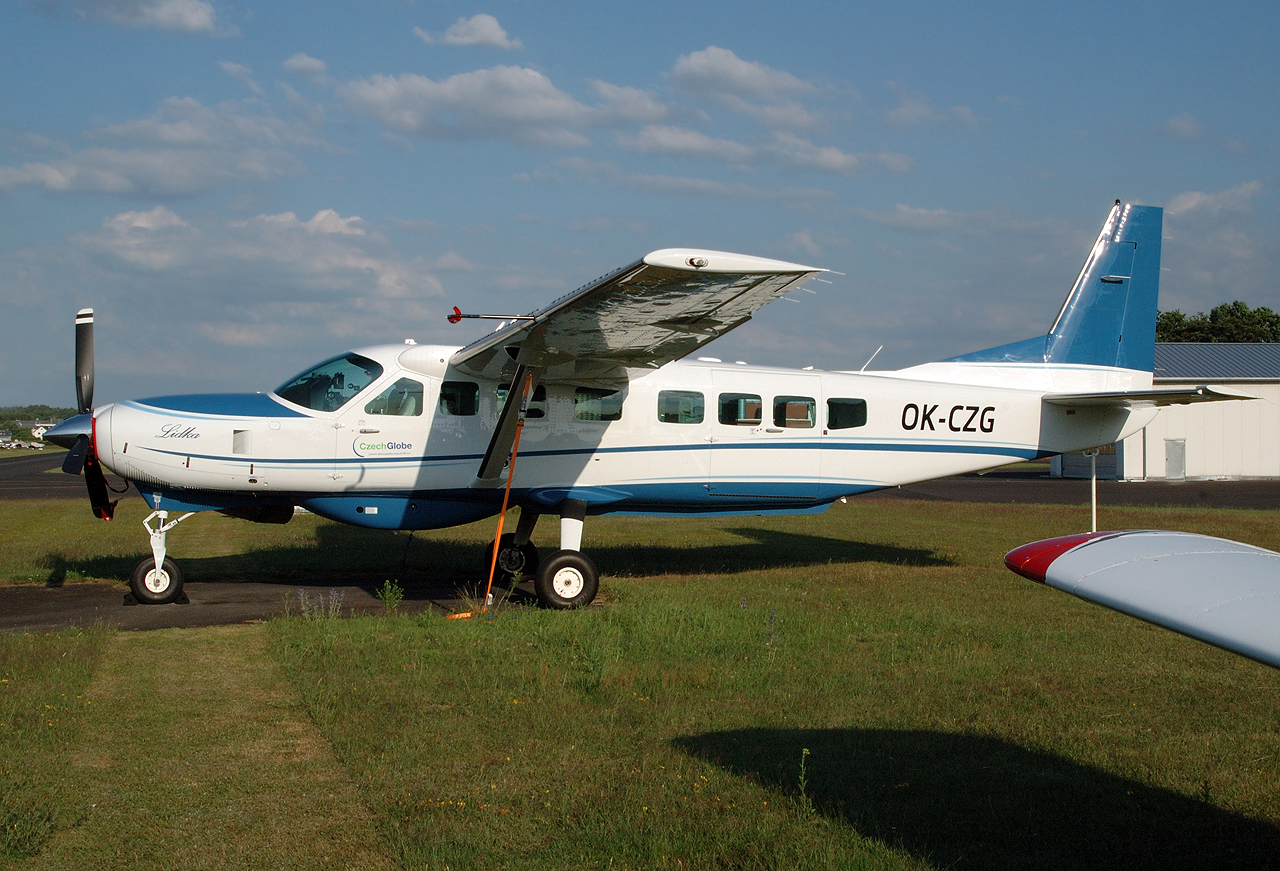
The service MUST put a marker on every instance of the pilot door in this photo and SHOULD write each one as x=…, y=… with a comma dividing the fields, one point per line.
x=382, y=441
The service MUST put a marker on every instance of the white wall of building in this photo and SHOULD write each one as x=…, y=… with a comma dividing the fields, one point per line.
x=1220, y=439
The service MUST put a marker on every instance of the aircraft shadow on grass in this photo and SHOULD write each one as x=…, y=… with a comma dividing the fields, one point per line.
x=346, y=555
x=975, y=802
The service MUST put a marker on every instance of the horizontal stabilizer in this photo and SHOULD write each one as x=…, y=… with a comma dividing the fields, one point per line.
x=1147, y=398
x=1219, y=591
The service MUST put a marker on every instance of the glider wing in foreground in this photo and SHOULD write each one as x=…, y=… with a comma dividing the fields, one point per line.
x=1219, y=591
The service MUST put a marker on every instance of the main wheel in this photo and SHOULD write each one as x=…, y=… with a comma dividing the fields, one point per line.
x=567, y=580
x=511, y=559
x=155, y=588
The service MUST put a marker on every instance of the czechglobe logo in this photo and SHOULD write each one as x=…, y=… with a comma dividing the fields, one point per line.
x=366, y=448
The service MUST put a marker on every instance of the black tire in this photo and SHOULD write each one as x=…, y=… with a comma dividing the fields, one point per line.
x=511, y=559
x=567, y=580
x=158, y=592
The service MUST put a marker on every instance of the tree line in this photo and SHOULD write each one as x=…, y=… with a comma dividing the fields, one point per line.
x=1228, y=322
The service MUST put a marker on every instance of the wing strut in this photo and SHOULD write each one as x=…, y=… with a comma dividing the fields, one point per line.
x=525, y=392
x=505, y=433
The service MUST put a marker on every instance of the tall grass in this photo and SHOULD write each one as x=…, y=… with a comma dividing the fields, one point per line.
x=42, y=712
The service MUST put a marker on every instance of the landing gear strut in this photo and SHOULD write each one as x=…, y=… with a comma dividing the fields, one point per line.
x=156, y=579
x=566, y=578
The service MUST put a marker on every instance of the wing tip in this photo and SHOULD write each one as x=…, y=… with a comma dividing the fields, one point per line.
x=700, y=260
x=1032, y=560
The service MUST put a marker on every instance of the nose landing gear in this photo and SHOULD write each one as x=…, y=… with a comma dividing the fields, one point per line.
x=156, y=579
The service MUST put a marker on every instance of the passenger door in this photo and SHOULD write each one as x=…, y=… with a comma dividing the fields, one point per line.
x=766, y=441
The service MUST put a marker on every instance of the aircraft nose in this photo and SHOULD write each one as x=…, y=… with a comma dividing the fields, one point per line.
x=64, y=435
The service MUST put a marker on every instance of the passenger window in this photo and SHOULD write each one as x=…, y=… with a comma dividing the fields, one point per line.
x=680, y=406
x=740, y=409
x=595, y=403
x=796, y=412
x=537, y=403
x=459, y=398
x=846, y=413
x=404, y=398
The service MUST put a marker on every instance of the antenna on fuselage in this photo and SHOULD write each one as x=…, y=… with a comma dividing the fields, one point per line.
x=869, y=359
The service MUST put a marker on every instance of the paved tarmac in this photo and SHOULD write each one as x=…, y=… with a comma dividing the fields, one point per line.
x=51, y=608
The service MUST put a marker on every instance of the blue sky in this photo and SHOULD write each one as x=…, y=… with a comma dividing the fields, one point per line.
x=242, y=188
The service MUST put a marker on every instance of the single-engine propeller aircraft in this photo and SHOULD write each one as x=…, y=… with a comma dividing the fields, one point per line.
x=615, y=420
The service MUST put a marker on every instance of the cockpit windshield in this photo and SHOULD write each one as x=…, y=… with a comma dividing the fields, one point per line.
x=327, y=387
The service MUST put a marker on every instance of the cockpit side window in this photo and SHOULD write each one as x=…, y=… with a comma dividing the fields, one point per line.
x=330, y=385
x=404, y=398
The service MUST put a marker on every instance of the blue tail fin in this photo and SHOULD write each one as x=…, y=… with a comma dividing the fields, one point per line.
x=1109, y=318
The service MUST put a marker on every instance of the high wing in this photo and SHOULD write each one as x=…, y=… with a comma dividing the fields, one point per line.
x=1158, y=398
x=656, y=310
x=1219, y=591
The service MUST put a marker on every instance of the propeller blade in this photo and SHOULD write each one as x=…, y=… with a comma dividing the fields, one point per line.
x=73, y=462
x=99, y=500
x=84, y=360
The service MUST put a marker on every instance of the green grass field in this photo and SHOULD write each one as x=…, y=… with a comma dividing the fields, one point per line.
x=869, y=688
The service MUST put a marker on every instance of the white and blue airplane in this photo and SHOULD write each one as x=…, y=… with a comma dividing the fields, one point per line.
x=613, y=418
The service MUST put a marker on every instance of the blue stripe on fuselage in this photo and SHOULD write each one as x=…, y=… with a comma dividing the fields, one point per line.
x=221, y=405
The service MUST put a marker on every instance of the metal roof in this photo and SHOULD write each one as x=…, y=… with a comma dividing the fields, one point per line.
x=1217, y=361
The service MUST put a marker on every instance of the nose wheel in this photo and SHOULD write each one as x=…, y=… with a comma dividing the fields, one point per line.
x=151, y=587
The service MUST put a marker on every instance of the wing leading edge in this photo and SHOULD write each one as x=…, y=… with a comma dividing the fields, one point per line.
x=1219, y=591
x=658, y=309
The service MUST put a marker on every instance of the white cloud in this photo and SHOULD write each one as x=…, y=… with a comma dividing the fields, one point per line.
x=793, y=150
x=1236, y=199
x=241, y=74
x=680, y=141
x=305, y=65
x=479, y=30
x=803, y=240
x=720, y=76
x=327, y=252
x=159, y=218
x=716, y=73
x=628, y=104
x=183, y=149
x=608, y=174
x=915, y=109
x=140, y=238
x=500, y=103
x=784, y=148
x=1183, y=126
x=174, y=16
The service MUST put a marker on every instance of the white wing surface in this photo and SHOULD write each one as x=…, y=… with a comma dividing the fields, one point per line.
x=1219, y=591
x=656, y=310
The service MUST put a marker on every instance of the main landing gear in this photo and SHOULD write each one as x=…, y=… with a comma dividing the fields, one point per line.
x=566, y=578
x=156, y=579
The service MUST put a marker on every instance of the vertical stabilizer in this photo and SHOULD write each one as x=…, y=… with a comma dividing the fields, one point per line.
x=1109, y=317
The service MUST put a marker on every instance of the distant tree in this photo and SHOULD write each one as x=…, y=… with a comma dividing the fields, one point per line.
x=1228, y=322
